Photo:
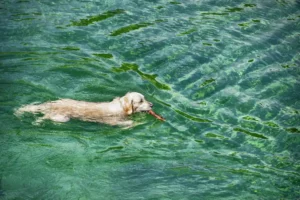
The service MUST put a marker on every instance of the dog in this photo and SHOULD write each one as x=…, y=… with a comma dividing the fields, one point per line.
x=112, y=113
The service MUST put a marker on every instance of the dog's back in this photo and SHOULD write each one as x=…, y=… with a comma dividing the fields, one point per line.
x=64, y=109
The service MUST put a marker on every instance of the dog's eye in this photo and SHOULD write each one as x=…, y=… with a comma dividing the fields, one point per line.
x=141, y=101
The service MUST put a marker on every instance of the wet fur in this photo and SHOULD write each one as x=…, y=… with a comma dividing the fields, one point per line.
x=113, y=113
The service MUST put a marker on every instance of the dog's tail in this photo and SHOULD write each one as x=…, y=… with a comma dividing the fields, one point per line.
x=28, y=108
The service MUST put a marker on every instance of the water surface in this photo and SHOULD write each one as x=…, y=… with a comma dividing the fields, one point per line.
x=225, y=75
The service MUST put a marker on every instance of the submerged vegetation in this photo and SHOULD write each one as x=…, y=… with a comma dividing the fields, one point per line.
x=208, y=81
x=224, y=74
x=129, y=28
x=250, y=133
x=149, y=77
x=92, y=19
x=104, y=55
x=193, y=118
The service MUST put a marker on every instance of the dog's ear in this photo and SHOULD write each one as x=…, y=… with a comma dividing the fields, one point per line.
x=127, y=105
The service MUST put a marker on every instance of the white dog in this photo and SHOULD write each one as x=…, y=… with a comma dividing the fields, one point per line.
x=113, y=113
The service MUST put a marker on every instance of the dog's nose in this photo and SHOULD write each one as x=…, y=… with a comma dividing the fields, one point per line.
x=151, y=104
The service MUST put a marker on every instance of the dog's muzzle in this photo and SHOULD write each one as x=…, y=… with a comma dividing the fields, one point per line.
x=151, y=104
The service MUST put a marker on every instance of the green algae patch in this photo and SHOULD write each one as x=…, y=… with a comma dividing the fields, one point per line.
x=250, y=133
x=111, y=149
x=248, y=5
x=160, y=20
x=214, y=13
x=130, y=28
x=175, y=3
x=208, y=81
x=249, y=118
x=256, y=20
x=97, y=18
x=271, y=124
x=188, y=32
x=71, y=48
x=206, y=44
x=193, y=118
x=237, y=9
x=103, y=55
x=41, y=145
x=199, y=141
x=149, y=77
x=293, y=130
x=285, y=66
x=202, y=103
x=246, y=24
x=213, y=135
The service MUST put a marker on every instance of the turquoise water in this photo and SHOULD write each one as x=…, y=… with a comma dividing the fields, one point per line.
x=225, y=75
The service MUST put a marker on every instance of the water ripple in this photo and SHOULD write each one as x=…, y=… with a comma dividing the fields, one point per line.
x=97, y=18
x=224, y=74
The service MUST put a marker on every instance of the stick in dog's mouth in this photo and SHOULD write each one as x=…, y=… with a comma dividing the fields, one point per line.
x=151, y=112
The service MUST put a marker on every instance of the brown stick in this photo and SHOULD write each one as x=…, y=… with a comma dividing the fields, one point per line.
x=151, y=112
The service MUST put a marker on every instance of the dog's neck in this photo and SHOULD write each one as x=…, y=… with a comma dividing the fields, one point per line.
x=127, y=108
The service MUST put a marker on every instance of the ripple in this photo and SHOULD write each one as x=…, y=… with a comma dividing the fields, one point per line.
x=293, y=130
x=271, y=124
x=70, y=48
x=250, y=118
x=175, y=3
x=193, y=118
x=104, y=55
x=130, y=28
x=97, y=18
x=208, y=81
x=213, y=135
x=111, y=149
x=250, y=133
x=73, y=71
x=214, y=13
x=149, y=77
x=188, y=32
x=232, y=10
x=223, y=73
x=246, y=172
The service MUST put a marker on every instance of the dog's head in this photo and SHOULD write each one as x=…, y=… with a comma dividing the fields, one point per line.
x=134, y=102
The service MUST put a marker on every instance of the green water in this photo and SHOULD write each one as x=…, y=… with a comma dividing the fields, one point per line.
x=225, y=75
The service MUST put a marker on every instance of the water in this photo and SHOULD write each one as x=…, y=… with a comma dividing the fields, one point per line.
x=225, y=75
